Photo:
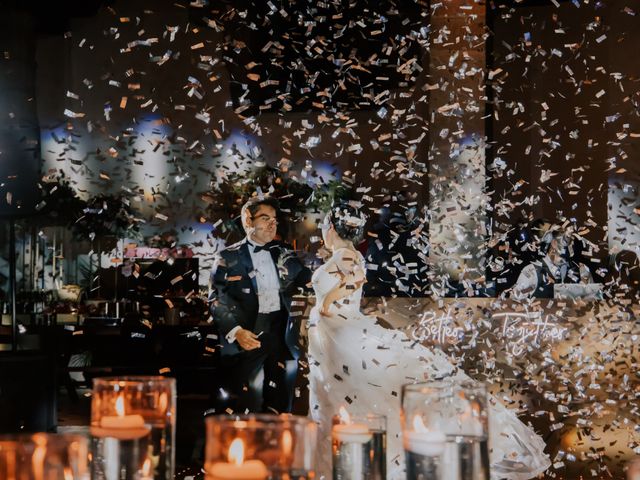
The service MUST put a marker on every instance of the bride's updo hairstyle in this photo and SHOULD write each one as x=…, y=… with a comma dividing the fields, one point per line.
x=348, y=221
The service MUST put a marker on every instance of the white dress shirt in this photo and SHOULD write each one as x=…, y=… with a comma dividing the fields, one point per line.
x=267, y=283
x=267, y=279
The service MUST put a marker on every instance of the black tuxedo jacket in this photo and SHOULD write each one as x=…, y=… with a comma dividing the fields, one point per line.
x=233, y=291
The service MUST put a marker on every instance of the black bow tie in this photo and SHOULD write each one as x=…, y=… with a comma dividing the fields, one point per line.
x=266, y=246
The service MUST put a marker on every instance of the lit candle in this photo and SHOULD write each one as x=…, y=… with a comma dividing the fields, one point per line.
x=348, y=432
x=351, y=449
x=352, y=433
x=237, y=468
x=423, y=441
x=121, y=426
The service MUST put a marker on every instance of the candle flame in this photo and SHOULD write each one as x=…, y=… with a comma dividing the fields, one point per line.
x=236, y=452
x=120, y=406
x=344, y=415
x=418, y=424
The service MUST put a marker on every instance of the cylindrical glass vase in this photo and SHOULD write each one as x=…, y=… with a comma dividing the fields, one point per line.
x=257, y=447
x=445, y=430
x=43, y=456
x=359, y=446
x=133, y=428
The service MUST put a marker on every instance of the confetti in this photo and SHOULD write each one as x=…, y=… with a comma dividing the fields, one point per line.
x=465, y=170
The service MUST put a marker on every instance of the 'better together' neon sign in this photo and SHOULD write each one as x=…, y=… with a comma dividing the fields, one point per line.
x=518, y=329
x=529, y=328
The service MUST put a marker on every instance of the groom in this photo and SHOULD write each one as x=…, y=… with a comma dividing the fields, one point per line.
x=250, y=293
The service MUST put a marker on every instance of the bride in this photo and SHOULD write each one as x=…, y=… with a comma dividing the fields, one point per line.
x=361, y=365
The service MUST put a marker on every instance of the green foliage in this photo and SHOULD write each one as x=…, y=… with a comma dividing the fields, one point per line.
x=327, y=194
x=228, y=196
x=59, y=203
x=296, y=198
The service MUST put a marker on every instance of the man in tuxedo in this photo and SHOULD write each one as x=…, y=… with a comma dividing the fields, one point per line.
x=251, y=285
x=557, y=266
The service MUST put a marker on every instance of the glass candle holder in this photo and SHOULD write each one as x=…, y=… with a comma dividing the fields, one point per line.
x=257, y=447
x=133, y=428
x=359, y=446
x=44, y=456
x=445, y=430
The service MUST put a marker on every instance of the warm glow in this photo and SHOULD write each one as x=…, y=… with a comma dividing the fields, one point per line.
x=344, y=415
x=163, y=402
x=120, y=406
x=236, y=452
x=37, y=459
x=68, y=475
x=287, y=442
x=418, y=424
x=570, y=439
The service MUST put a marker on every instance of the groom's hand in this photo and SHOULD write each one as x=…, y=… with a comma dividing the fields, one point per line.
x=247, y=339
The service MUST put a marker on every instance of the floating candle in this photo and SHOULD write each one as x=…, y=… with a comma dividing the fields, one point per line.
x=237, y=468
x=354, y=432
x=430, y=444
x=121, y=426
x=423, y=441
x=350, y=432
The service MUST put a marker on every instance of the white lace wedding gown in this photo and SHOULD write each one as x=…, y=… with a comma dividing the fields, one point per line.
x=361, y=365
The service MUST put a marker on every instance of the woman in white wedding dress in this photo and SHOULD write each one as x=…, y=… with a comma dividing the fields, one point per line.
x=361, y=365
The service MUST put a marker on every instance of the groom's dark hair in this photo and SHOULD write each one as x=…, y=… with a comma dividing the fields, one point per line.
x=254, y=203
